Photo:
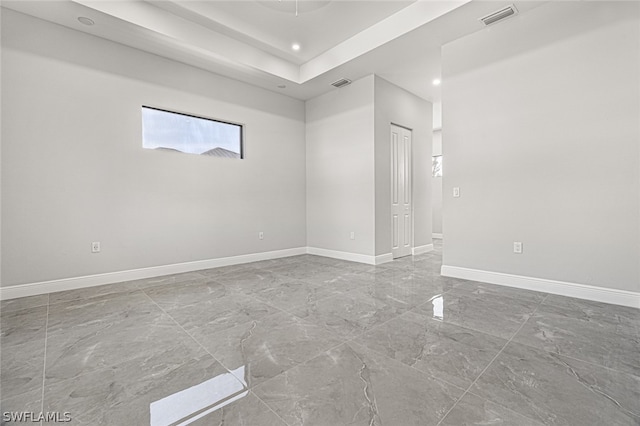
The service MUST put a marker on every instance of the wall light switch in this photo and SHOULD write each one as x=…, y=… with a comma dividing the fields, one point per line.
x=95, y=247
x=517, y=247
x=352, y=236
x=456, y=191
x=261, y=235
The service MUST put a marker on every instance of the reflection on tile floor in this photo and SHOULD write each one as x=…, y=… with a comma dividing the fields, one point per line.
x=307, y=340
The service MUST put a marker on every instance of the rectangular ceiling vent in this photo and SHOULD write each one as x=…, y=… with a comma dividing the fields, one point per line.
x=499, y=15
x=342, y=82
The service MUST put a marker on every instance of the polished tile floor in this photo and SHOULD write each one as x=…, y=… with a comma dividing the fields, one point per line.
x=308, y=340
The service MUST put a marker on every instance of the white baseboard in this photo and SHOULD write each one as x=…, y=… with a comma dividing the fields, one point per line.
x=422, y=249
x=579, y=291
x=436, y=236
x=352, y=257
x=384, y=258
x=53, y=286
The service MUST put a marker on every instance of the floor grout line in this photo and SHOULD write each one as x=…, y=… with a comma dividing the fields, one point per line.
x=98, y=369
x=595, y=364
x=44, y=362
x=343, y=341
x=245, y=385
x=269, y=407
x=492, y=361
x=126, y=360
x=293, y=308
x=347, y=340
x=187, y=333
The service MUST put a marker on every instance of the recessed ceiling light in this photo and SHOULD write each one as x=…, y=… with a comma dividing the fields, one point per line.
x=86, y=21
x=295, y=46
x=437, y=82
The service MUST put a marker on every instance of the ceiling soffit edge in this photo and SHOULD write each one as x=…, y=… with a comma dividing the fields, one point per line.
x=178, y=32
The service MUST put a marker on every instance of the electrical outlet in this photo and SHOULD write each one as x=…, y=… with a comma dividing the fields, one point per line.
x=456, y=192
x=261, y=235
x=353, y=235
x=517, y=247
x=95, y=247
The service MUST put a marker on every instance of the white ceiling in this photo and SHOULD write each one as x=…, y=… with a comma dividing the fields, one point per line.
x=273, y=25
x=251, y=40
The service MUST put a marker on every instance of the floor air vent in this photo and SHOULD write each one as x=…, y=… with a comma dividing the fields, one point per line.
x=499, y=15
x=342, y=82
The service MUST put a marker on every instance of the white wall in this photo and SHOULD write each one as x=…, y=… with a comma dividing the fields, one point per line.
x=436, y=184
x=437, y=116
x=74, y=171
x=340, y=169
x=541, y=126
x=397, y=106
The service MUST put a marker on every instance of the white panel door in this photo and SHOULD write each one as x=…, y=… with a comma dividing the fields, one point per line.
x=401, y=208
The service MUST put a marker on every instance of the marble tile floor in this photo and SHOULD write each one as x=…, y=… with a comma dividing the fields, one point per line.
x=307, y=340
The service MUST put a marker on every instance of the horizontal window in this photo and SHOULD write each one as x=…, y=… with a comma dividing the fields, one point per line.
x=178, y=132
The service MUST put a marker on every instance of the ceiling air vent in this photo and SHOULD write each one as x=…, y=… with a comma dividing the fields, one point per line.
x=498, y=15
x=342, y=82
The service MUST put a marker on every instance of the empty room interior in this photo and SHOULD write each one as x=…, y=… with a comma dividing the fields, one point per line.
x=296, y=212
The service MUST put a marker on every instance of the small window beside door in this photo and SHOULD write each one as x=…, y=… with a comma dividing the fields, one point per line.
x=170, y=131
